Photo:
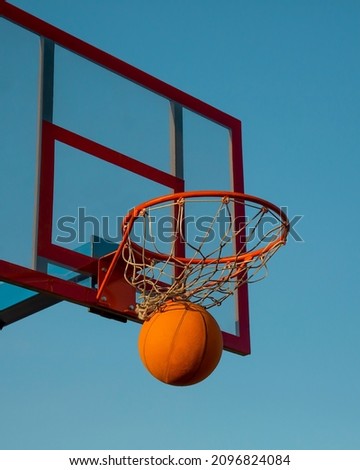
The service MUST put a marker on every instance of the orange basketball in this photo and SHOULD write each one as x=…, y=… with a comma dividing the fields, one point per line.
x=181, y=344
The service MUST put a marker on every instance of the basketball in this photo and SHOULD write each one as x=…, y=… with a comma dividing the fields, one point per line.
x=181, y=344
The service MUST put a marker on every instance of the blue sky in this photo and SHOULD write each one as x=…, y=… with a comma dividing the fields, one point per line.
x=290, y=71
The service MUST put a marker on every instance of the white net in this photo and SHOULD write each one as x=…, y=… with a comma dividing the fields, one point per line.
x=200, y=249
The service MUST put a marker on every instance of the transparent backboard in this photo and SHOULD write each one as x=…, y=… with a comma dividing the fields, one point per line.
x=86, y=137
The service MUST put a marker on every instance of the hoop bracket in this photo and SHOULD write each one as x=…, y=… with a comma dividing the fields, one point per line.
x=116, y=294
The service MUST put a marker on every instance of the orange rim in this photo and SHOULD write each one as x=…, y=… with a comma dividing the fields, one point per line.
x=245, y=257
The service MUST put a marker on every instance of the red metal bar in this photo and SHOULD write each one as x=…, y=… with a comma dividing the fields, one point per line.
x=45, y=248
x=112, y=156
x=236, y=344
x=51, y=133
x=118, y=66
x=44, y=283
x=56, y=288
x=242, y=294
x=78, y=294
x=237, y=157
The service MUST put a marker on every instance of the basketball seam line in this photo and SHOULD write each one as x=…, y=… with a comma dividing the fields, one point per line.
x=204, y=347
x=144, y=342
x=172, y=344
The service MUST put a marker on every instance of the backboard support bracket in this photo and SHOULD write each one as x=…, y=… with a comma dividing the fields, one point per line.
x=118, y=294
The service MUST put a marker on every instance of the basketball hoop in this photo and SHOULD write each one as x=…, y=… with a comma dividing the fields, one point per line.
x=211, y=244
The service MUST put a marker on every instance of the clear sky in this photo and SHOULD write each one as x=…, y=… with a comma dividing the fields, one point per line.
x=290, y=70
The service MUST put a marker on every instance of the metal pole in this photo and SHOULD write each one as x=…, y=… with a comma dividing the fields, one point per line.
x=45, y=113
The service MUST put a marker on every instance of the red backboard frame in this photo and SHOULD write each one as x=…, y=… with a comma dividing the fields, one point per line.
x=50, y=133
